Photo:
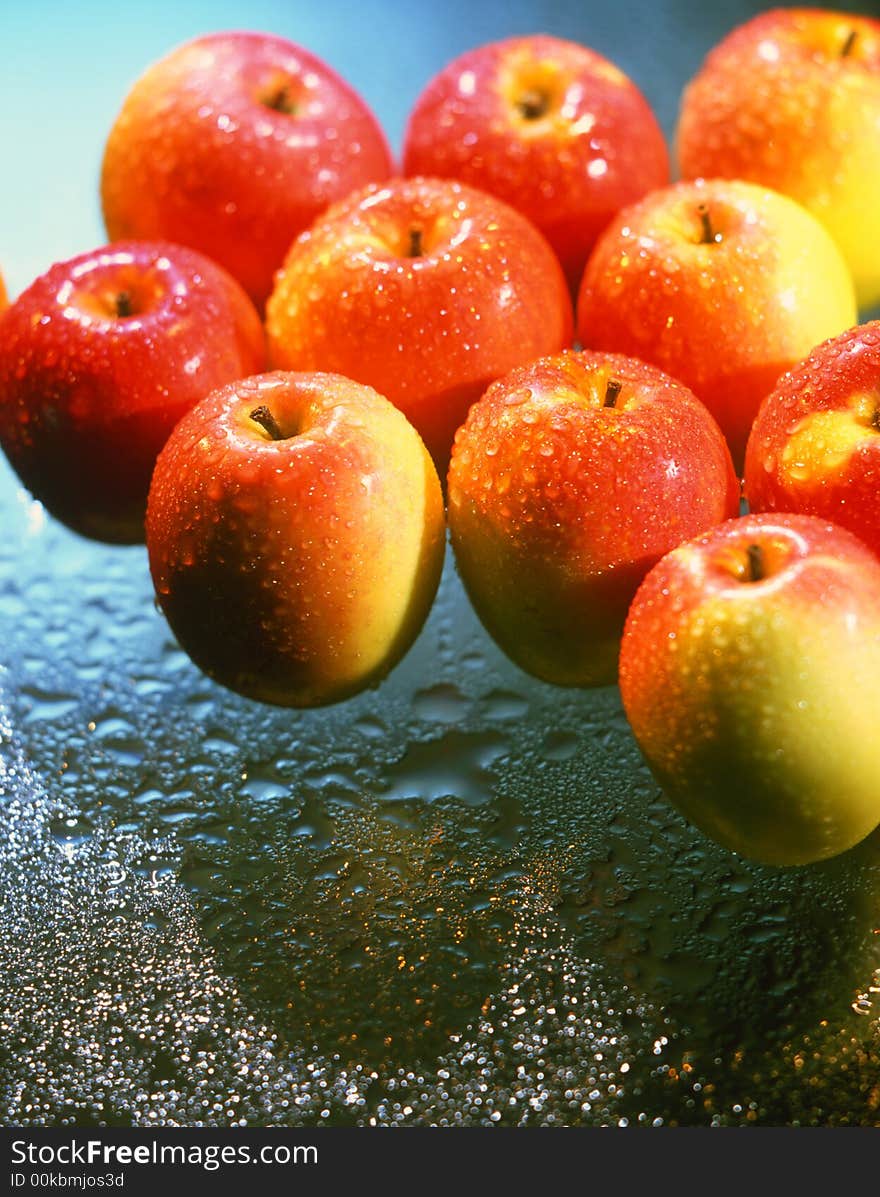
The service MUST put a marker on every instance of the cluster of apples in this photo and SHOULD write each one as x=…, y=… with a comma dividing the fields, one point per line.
x=285, y=346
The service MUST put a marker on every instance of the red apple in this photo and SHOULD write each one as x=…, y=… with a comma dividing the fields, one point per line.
x=571, y=477
x=791, y=99
x=552, y=128
x=233, y=144
x=722, y=284
x=99, y=359
x=750, y=674
x=424, y=289
x=815, y=446
x=296, y=536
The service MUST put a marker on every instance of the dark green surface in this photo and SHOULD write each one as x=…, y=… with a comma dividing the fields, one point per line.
x=457, y=898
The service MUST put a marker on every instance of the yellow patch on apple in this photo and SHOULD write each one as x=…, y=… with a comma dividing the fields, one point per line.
x=823, y=443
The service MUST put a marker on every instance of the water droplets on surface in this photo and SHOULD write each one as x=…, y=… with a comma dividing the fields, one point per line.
x=456, y=899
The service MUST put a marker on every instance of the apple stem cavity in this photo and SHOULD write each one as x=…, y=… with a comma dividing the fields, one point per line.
x=416, y=246
x=533, y=104
x=875, y=419
x=612, y=390
x=280, y=100
x=709, y=237
x=755, y=563
x=850, y=42
x=123, y=305
x=262, y=415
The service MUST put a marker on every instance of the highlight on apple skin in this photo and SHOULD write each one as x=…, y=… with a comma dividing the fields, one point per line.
x=296, y=536
x=750, y=675
x=426, y=290
x=724, y=285
x=233, y=144
x=99, y=359
x=815, y=445
x=570, y=478
x=551, y=127
x=791, y=100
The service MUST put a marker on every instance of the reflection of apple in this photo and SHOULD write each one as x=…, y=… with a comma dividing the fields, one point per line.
x=99, y=359
x=551, y=127
x=723, y=285
x=750, y=674
x=296, y=536
x=791, y=100
x=233, y=144
x=571, y=477
x=424, y=289
x=815, y=446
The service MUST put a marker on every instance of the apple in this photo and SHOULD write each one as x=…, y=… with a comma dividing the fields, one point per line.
x=233, y=144
x=724, y=285
x=551, y=127
x=815, y=445
x=296, y=536
x=425, y=289
x=99, y=359
x=791, y=100
x=569, y=480
x=750, y=675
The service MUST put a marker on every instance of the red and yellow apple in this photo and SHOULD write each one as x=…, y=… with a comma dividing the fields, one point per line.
x=549, y=126
x=570, y=478
x=723, y=285
x=296, y=536
x=99, y=359
x=750, y=675
x=815, y=445
x=791, y=100
x=233, y=144
x=426, y=290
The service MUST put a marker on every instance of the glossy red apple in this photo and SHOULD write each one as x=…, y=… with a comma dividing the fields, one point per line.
x=99, y=359
x=549, y=126
x=570, y=478
x=815, y=446
x=750, y=674
x=722, y=284
x=424, y=289
x=233, y=144
x=296, y=536
x=791, y=100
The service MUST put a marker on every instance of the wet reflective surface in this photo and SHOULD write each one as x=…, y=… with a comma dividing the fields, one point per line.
x=458, y=898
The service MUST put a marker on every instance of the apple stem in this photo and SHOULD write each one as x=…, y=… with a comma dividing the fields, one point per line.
x=612, y=390
x=262, y=416
x=847, y=47
x=281, y=100
x=710, y=237
x=123, y=305
x=532, y=104
x=416, y=248
x=755, y=556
